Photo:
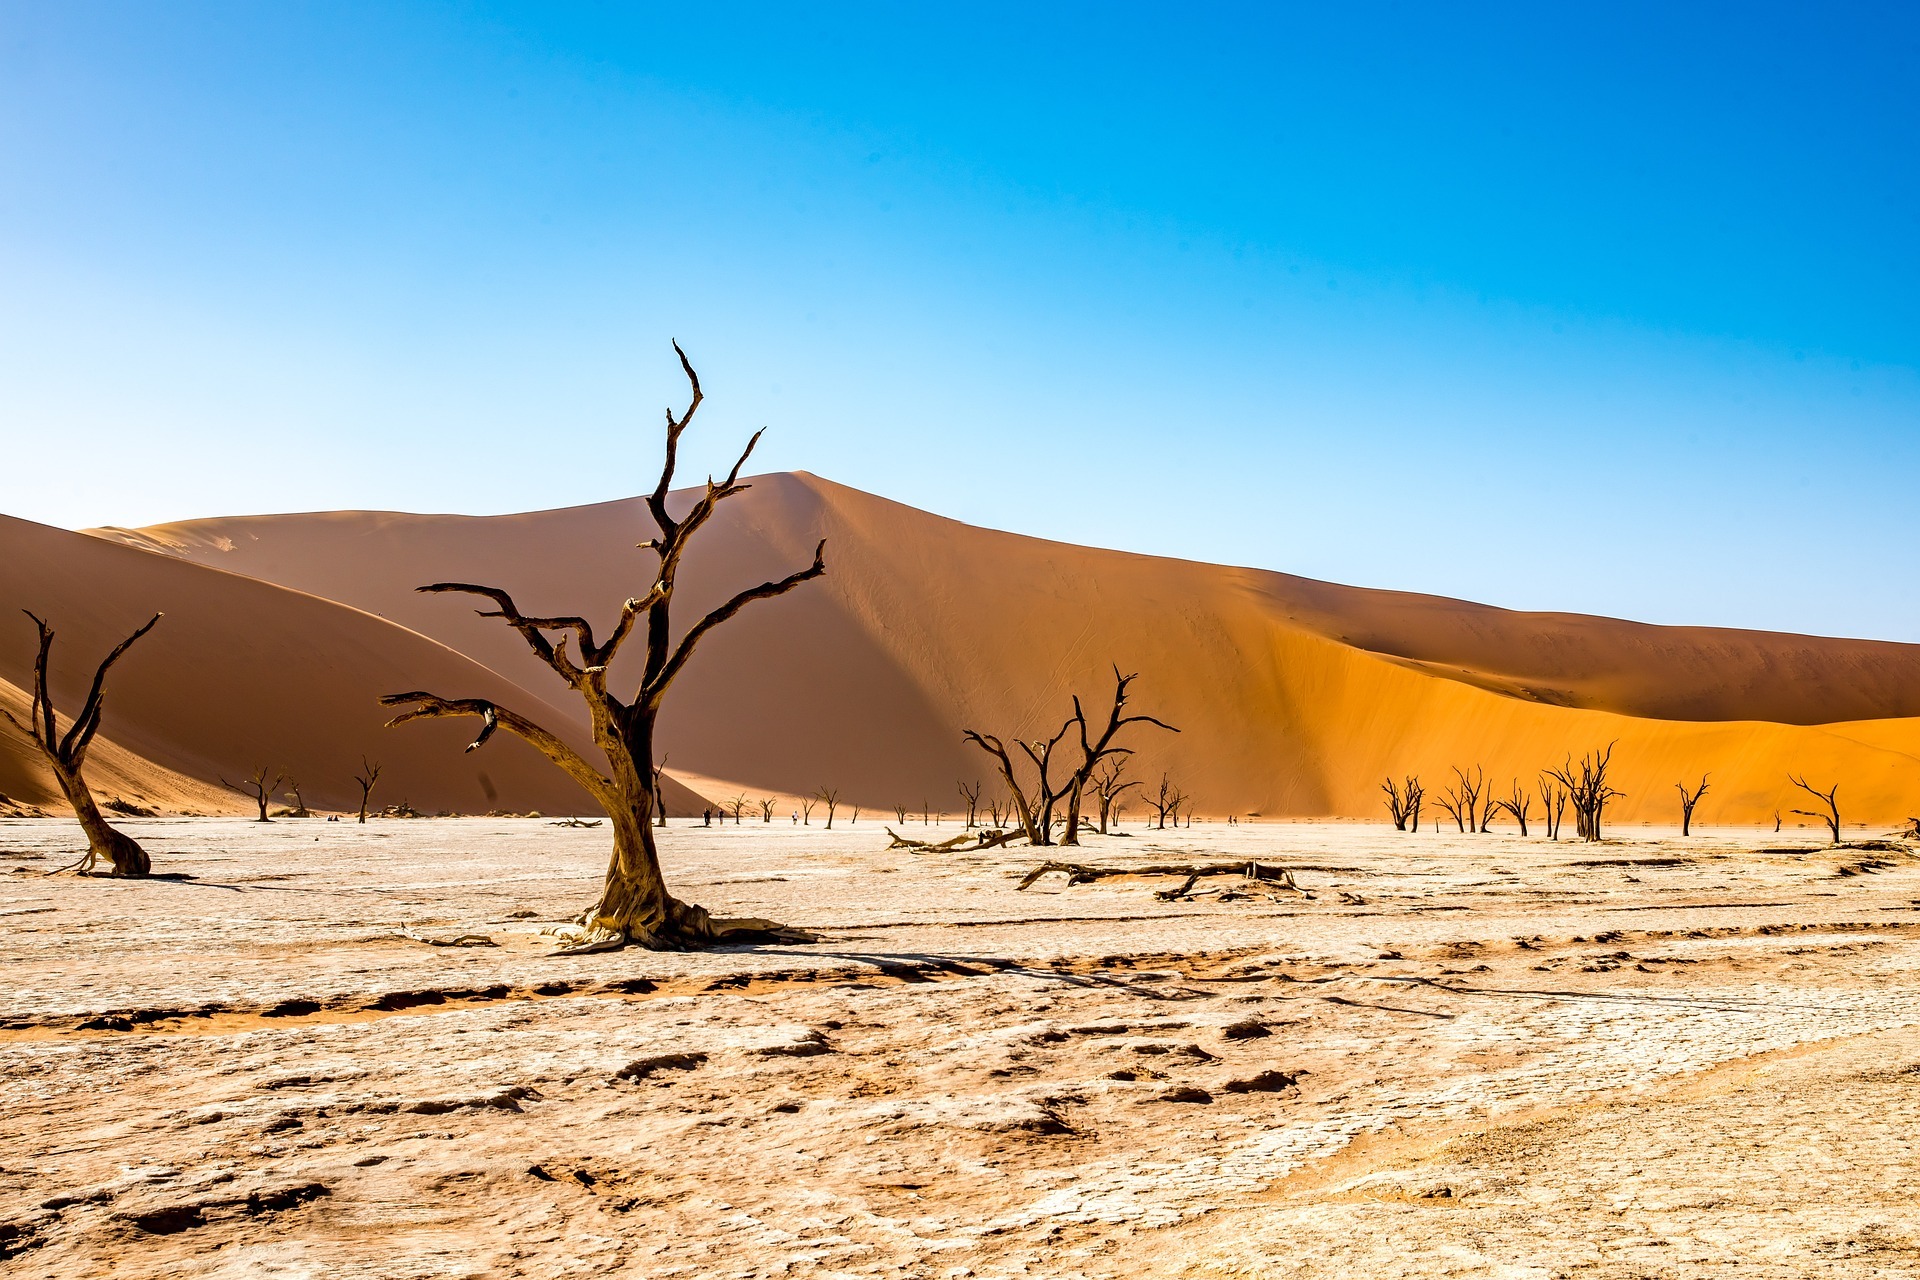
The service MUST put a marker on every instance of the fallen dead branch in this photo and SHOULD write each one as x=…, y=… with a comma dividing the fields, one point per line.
x=449, y=940
x=965, y=840
x=1080, y=873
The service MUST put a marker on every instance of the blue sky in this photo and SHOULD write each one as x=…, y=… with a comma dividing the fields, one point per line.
x=1612, y=309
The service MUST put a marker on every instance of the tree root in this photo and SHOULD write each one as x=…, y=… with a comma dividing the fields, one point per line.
x=82, y=867
x=691, y=930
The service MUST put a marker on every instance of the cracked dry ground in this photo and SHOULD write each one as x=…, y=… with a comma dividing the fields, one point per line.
x=1450, y=1055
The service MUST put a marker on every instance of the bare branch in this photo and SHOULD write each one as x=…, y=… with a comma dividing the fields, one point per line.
x=432, y=706
x=657, y=500
x=656, y=686
x=87, y=723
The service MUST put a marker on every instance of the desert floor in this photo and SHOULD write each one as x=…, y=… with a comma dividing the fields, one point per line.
x=1449, y=1055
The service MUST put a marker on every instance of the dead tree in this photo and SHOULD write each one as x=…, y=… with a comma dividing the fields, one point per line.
x=830, y=797
x=1036, y=807
x=634, y=906
x=368, y=775
x=299, y=806
x=972, y=796
x=736, y=806
x=1166, y=802
x=1517, y=806
x=1474, y=800
x=1095, y=749
x=1832, y=814
x=1688, y=799
x=66, y=755
x=900, y=813
x=996, y=812
x=806, y=810
x=259, y=788
x=1403, y=802
x=766, y=807
x=1457, y=805
x=1109, y=783
x=1588, y=790
x=660, y=792
x=1553, y=800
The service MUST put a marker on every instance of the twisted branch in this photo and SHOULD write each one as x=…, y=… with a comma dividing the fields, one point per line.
x=431, y=706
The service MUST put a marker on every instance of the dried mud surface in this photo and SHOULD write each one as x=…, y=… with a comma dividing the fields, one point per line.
x=1448, y=1056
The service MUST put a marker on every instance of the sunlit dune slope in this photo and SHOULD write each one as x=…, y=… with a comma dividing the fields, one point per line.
x=1293, y=696
x=242, y=673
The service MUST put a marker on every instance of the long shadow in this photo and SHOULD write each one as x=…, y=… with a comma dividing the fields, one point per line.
x=164, y=877
x=1722, y=1004
x=915, y=967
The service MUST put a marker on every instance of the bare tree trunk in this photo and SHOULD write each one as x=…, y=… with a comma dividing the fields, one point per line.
x=368, y=775
x=66, y=754
x=1072, y=833
x=120, y=850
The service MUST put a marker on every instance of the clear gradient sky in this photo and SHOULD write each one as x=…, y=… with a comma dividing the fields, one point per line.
x=1611, y=308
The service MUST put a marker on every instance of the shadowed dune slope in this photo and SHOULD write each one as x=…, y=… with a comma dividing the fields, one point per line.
x=242, y=672
x=1294, y=697
x=113, y=772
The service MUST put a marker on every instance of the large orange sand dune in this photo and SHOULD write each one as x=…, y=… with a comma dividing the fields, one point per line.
x=1295, y=697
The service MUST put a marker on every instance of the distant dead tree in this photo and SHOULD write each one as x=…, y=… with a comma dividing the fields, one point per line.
x=660, y=792
x=634, y=906
x=1461, y=801
x=1403, y=802
x=259, y=788
x=996, y=813
x=900, y=813
x=830, y=797
x=299, y=807
x=66, y=755
x=1036, y=808
x=1776, y=822
x=1517, y=805
x=972, y=796
x=735, y=806
x=368, y=775
x=1688, y=799
x=1832, y=814
x=1553, y=800
x=1109, y=783
x=1588, y=790
x=766, y=807
x=1473, y=797
x=806, y=809
x=1165, y=802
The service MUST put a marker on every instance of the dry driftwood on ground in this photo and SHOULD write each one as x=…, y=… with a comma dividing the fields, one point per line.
x=1079, y=873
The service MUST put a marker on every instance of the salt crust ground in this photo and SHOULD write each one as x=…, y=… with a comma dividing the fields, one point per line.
x=1460, y=1056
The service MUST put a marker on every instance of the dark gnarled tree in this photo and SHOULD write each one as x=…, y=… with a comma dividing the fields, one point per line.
x=66, y=754
x=1036, y=804
x=634, y=906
